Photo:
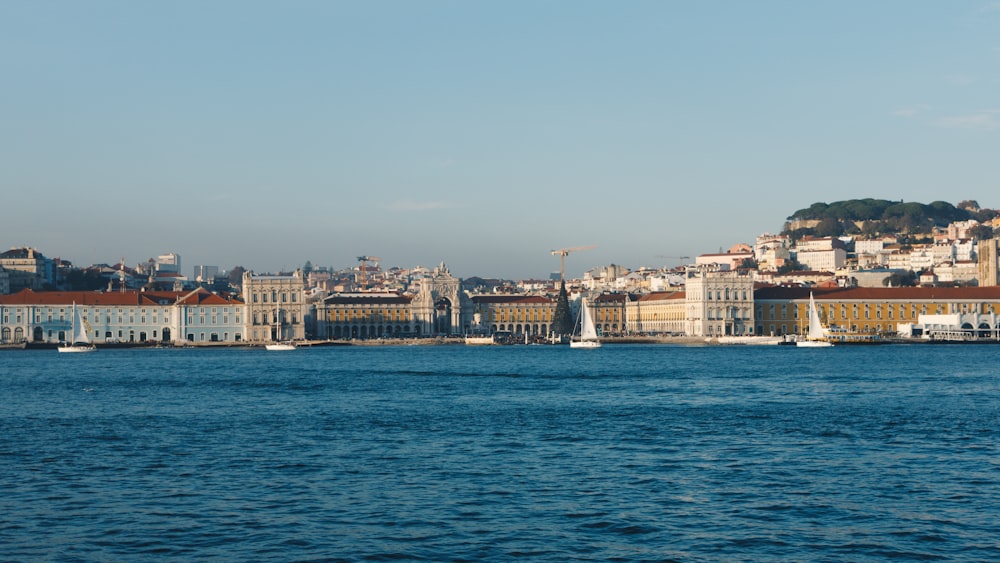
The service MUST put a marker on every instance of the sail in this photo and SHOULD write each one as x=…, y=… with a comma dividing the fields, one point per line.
x=815, y=324
x=587, y=330
x=79, y=329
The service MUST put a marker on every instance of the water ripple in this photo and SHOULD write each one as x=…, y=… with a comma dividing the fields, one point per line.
x=380, y=454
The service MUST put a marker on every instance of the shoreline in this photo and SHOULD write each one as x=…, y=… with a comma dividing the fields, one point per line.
x=460, y=341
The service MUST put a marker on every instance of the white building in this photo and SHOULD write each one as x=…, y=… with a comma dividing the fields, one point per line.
x=954, y=326
x=822, y=260
x=275, y=307
x=169, y=262
x=204, y=273
x=122, y=317
x=718, y=302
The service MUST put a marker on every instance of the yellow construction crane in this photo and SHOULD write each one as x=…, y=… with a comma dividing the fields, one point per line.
x=364, y=268
x=562, y=252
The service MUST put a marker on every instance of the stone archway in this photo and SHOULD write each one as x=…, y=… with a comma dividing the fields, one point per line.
x=984, y=330
x=442, y=316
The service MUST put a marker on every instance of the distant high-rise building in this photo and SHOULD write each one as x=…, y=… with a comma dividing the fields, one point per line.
x=169, y=262
x=204, y=273
x=989, y=265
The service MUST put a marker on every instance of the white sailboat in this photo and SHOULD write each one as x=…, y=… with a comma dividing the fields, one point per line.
x=79, y=340
x=815, y=337
x=588, y=333
x=280, y=345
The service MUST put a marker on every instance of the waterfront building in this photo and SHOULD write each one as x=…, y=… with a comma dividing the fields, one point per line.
x=121, y=317
x=437, y=307
x=953, y=327
x=203, y=316
x=275, y=307
x=719, y=302
x=656, y=313
x=782, y=310
x=608, y=313
x=514, y=314
x=440, y=307
x=363, y=315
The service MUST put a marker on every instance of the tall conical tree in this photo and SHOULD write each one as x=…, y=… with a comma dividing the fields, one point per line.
x=562, y=319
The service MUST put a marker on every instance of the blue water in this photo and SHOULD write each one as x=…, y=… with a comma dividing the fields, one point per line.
x=467, y=454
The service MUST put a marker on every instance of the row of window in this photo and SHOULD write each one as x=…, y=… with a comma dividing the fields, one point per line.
x=892, y=311
x=275, y=296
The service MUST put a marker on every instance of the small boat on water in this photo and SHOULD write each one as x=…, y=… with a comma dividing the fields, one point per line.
x=79, y=340
x=588, y=332
x=746, y=340
x=280, y=346
x=480, y=340
x=815, y=337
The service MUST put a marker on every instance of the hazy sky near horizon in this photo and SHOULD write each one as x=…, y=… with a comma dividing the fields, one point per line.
x=480, y=134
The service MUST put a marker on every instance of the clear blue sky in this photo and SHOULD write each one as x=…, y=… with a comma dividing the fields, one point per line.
x=481, y=134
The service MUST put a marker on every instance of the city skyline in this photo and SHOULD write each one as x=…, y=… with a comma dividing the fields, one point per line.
x=482, y=135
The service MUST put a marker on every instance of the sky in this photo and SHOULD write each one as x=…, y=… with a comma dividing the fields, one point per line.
x=481, y=134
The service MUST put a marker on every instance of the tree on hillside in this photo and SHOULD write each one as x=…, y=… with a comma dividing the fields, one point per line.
x=829, y=227
x=907, y=279
x=981, y=232
x=562, y=319
x=985, y=215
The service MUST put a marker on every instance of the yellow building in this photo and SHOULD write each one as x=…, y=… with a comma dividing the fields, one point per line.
x=782, y=310
x=608, y=312
x=516, y=314
x=366, y=315
x=659, y=312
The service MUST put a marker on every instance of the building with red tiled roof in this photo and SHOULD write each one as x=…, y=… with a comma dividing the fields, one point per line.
x=517, y=314
x=364, y=315
x=130, y=316
x=659, y=312
x=782, y=310
x=608, y=313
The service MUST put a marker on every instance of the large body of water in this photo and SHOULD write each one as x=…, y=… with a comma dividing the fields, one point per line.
x=447, y=453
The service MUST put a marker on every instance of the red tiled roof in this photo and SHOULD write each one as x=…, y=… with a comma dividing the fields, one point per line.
x=510, y=299
x=880, y=293
x=662, y=296
x=202, y=296
x=368, y=299
x=128, y=298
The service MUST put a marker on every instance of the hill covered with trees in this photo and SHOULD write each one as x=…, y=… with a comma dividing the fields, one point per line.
x=879, y=216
